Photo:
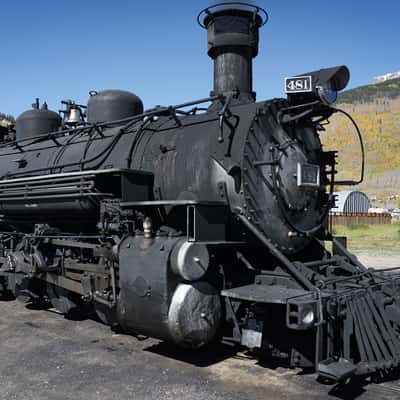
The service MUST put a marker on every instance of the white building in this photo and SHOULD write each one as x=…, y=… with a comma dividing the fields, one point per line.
x=351, y=202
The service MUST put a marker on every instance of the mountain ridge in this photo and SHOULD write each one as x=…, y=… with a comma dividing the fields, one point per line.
x=389, y=89
x=376, y=109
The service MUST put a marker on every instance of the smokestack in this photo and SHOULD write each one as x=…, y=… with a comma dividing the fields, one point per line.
x=232, y=30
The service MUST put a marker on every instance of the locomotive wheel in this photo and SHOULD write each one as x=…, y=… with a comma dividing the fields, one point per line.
x=105, y=314
x=28, y=292
x=60, y=299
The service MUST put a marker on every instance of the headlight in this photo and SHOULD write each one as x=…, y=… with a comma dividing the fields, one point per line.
x=308, y=317
x=327, y=95
x=302, y=313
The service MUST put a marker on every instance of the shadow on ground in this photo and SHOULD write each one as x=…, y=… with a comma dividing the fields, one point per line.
x=200, y=358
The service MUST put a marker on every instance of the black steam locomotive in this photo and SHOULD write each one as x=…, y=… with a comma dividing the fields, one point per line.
x=198, y=222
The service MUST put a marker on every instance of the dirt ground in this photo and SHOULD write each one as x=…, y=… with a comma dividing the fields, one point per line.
x=376, y=258
x=46, y=356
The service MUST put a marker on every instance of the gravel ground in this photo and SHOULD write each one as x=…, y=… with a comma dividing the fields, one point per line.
x=377, y=258
x=45, y=356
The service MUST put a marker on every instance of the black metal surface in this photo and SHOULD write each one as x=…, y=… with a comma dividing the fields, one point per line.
x=363, y=332
x=336, y=370
x=285, y=262
x=36, y=122
x=158, y=203
x=145, y=291
x=71, y=193
x=233, y=70
x=112, y=105
x=232, y=44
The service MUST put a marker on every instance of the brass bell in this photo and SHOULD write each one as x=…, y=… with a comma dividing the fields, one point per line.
x=74, y=116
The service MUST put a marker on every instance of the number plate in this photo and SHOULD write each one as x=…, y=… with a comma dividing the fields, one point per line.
x=298, y=84
x=308, y=175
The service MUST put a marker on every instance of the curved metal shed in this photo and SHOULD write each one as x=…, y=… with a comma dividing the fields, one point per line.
x=351, y=202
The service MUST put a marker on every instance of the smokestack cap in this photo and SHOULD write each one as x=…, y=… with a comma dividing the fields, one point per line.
x=231, y=6
x=232, y=24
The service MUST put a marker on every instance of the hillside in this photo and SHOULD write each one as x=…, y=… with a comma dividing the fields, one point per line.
x=369, y=93
x=376, y=109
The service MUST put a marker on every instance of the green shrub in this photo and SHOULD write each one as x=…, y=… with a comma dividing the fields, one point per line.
x=358, y=227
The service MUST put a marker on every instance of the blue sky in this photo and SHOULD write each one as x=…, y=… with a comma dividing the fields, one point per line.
x=56, y=49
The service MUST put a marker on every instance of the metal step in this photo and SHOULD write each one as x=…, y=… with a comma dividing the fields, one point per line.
x=264, y=293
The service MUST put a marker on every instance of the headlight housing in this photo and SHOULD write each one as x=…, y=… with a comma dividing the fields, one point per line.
x=302, y=313
x=322, y=85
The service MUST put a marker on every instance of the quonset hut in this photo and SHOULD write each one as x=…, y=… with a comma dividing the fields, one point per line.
x=349, y=202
